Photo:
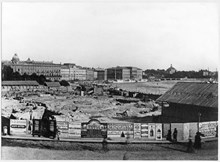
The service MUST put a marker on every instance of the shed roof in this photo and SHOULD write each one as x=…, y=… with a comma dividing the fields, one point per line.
x=192, y=93
x=20, y=83
x=52, y=84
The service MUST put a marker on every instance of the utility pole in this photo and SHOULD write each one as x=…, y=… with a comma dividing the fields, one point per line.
x=115, y=73
x=199, y=115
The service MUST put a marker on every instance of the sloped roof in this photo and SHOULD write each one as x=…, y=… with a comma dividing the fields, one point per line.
x=192, y=93
x=20, y=83
x=52, y=84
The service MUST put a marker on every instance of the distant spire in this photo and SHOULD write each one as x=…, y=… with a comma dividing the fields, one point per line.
x=170, y=65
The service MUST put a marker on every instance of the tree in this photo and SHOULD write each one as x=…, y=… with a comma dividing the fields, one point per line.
x=7, y=73
x=64, y=83
x=25, y=77
x=34, y=76
x=16, y=76
x=41, y=79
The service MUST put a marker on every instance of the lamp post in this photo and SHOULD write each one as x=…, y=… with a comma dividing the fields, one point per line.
x=199, y=115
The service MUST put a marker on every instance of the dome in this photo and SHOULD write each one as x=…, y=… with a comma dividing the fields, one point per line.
x=28, y=60
x=171, y=69
x=15, y=59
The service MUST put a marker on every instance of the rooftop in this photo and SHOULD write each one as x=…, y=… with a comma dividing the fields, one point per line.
x=192, y=93
x=20, y=83
x=52, y=84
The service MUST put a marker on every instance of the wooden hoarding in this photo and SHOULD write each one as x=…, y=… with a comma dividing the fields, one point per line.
x=186, y=135
x=193, y=128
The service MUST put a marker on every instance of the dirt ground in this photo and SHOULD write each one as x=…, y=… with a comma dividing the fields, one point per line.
x=147, y=87
x=90, y=151
x=76, y=108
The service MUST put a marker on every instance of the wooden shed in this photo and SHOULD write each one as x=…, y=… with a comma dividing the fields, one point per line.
x=190, y=102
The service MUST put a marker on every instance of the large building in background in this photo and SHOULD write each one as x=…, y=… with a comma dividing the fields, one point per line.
x=67, y=71
x=89, y=74
x=135, y=73
x=118, y=73
x=100, y=74
x=71, y=71
x=50, y=70
x=124, y=73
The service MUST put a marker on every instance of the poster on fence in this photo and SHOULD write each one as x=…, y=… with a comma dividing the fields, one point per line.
x=137, y=130
x=151, y=130
x=144, y=130
x=158, y=131
x=18, y=126
x=208, y=128
x=74, y=130
x=120, y=130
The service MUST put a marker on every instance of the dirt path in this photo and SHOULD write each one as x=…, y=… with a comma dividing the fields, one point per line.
x=89, y=151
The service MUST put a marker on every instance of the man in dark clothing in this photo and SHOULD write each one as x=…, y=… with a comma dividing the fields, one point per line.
x=169, y=138
x=175, y=135
x=198, y=143
x=104, y=145
x=190, y=147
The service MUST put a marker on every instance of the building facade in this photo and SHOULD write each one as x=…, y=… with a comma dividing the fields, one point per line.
x=73, y=72
x=124, y=73
x=100, y=74
x=139, y=74
x=118, y=73
x=135, y=73
x=50, y=70
x=89, y=74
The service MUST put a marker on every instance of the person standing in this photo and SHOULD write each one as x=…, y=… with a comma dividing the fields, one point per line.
x=190, y=147
x=175, y=135
x=104, y=144
x=58, y=133
x=169, y=138
x=198, y=143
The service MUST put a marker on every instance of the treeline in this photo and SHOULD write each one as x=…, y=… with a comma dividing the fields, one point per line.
x=179, y=74
x=8, y=74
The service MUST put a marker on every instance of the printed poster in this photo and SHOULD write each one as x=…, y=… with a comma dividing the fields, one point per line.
x=208, y=128
x=144, y=130
x=74, y=130
x=18, y=126
x=151, y=131
x=159, y=132
x=137, y=130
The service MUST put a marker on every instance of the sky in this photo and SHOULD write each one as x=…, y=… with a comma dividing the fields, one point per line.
x=148, y=35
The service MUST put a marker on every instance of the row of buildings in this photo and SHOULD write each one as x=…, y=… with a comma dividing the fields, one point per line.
x=70, y=71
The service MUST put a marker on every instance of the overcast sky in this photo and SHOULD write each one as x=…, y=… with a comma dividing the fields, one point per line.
x=106, y=34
